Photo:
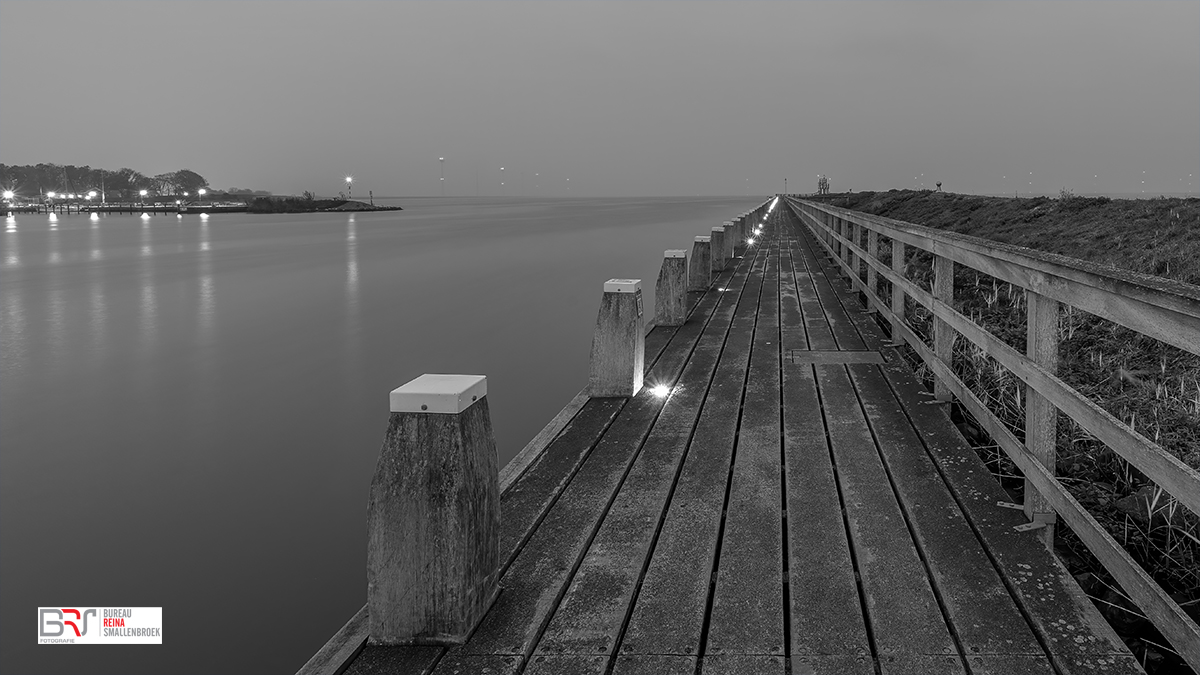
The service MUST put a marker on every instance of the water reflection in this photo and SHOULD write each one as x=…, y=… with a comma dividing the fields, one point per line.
x=55, y=253
x=12, y=256
x=149, y=303
x=97, y=315
x=352, y=266
x=12, y=331
x=94, y=241
x=95, y=218
x=207, y=294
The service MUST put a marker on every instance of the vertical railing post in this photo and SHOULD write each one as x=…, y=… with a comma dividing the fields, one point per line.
x=700, y=265
x=670, y=293
x=717, y=250
x=1041, y=416
x=872, y=275
x=730, y=239
x=619, y=343
x=433, y=518
x=897, y=292
x=943, y=334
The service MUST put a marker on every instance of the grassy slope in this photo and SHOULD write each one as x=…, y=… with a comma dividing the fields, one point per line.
x=1141, y=381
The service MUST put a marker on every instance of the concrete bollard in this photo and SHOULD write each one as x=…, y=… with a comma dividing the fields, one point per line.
x=670, y=294
x=619, y=343
x=433, y=518
x=730, y=239
x=700, y=267
x=717, y=250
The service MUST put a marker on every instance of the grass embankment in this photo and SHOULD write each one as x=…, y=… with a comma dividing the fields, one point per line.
x=1143, y=382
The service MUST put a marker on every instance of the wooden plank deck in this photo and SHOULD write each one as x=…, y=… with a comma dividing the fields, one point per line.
x=794, y=505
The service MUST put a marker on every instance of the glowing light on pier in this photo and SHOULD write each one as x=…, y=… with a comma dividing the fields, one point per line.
x=660, y=391
x=750, y=241
x=51, y=194
x=8, y=194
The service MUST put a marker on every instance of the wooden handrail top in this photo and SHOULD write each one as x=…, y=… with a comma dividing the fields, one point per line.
x=1168, y=294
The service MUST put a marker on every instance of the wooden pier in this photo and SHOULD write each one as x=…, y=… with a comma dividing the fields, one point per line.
x=783, y=496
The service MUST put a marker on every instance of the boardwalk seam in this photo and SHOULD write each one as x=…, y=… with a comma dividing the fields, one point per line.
x=868, y=620
x=612, y=659
x=785, y=547
x=912, y=530
x=712, y=585
x=1042, y=639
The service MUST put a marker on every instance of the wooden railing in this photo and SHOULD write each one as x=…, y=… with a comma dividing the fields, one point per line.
x=1165, y=310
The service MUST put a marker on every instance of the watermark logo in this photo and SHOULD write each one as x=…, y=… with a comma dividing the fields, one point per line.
x=100, y=625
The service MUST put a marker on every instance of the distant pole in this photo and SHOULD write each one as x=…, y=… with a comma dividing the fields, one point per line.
x=442, y=168
x=785, y=186
x=349, y=188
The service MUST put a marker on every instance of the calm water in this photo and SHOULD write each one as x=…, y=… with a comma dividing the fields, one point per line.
x=191, y=408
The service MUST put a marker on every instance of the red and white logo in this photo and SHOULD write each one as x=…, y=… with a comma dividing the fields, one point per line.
x=100, y=625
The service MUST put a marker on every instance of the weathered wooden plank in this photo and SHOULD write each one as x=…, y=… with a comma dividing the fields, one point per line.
x=791, y=318
x=381, y=660
x=1010, y=664
x=535, y=581
x=830, y=357
x=566, y=664
x=528, y=499
x=823, y=279
x=985, y=618
x=747, y=608
x=655, y=664
x=904, y=614
x=826, y=609
x=922, y=664
x=1079, y=639
x=833, y=664
x=943, y=335
x=743, y=664
x=669, y=614
x=1041, y=417
x=816, y=324
x=458, y=662
x=342, y=648
x=594, y=608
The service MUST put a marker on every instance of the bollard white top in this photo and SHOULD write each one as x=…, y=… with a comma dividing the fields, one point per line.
x=703, y=240
x=446, y=394
x=719, y=229
x=622, y=285
x=729, y=223
x=674, y=253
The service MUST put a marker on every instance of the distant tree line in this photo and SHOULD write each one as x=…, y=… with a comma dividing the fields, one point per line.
x=34, y=181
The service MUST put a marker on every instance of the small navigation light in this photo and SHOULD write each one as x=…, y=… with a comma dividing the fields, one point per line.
x=750, y=241
x=660, y=391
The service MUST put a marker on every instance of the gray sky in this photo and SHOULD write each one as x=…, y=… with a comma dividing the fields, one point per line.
x=644, y=98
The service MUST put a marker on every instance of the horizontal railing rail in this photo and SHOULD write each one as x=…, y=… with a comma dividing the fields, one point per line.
x=1166, y=310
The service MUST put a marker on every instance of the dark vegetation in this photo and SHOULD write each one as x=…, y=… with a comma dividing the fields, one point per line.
x=308, y=204
x=31, y=182
x=1151, y=386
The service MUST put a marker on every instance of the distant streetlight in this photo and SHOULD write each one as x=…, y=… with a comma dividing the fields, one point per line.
x=201, y=192
x=51, y=194
x=143, y=194
x=349, y=187
x=501, y=180
x=8, y=194
x=442, y=173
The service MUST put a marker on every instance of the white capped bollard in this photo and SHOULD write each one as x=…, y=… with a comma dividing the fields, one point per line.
x=670, y=294
x=700, y=267
x=717, y=250
x=619, y=343
x=730, y=239
x=433, y=517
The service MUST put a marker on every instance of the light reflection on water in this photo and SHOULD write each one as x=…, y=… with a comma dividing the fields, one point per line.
x=243, y=433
